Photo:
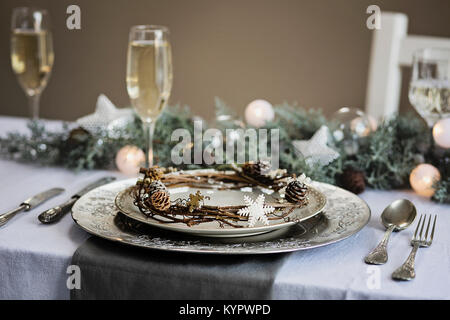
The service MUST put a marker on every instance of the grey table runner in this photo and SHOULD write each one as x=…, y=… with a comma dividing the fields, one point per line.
x=115, y=271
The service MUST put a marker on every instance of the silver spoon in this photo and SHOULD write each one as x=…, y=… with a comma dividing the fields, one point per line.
x=397, y=216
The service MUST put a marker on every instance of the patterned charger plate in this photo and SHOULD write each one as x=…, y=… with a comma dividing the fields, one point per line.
x=344, y=215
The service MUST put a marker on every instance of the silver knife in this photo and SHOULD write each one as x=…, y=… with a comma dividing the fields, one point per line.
x=30, y=203
x=56, y=213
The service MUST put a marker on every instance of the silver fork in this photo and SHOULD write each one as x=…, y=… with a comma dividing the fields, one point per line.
x=406, y=271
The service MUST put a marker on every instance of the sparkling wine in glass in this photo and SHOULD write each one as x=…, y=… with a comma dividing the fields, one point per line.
x=149, y=77
x=31, y=52
x=429, y=89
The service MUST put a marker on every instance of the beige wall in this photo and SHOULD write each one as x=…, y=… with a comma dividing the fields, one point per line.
x=312, y=51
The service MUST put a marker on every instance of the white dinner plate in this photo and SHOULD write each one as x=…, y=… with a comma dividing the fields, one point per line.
x=316, y=203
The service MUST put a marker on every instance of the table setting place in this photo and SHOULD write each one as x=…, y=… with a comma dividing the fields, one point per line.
x=153, y=202
x=237, y=212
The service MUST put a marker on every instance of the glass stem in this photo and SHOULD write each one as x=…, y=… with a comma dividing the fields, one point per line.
x=33, y=102
x=149, y=128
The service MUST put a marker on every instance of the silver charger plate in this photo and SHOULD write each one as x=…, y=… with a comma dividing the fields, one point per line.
x=344, y=215
x=316, y=203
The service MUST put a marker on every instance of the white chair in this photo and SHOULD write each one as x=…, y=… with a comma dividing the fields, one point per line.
x=392, y=48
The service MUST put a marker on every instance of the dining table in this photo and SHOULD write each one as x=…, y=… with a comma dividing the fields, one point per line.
x=35, y=258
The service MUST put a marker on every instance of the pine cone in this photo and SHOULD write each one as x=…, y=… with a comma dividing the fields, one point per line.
x=160, y=200
x=257, y=170
x=151, y=174
x=353, y=180
x=158, y=196
x=296, y=192
x=156, y=186
x=76, y=137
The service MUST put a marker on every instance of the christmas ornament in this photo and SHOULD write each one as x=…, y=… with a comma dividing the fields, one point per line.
x=349, y=125
x=441, y=133
x=296, y=192
x=315, y=150
x=363, y=125
x=423, y=178
x=77, y=136
x=129, y=159
x=151, y=174
x=159, y=198
x=153, y=186
x=353, y=180
x=259, y=112
x=258, y=170
x=302, y=179
x=256, y=210
x=106, y=116
x=231, y=129
x=196, y=201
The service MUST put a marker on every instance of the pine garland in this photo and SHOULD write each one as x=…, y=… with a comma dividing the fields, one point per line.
x=386, y=156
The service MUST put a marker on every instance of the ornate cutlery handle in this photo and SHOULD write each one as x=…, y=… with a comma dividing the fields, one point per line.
x=406, y=271
x=379, y=254
x=56, y=213
x=4, y=218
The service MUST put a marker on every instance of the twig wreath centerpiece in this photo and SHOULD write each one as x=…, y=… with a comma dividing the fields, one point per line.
x=152, y=197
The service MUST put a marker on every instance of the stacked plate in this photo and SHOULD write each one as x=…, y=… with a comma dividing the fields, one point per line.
x=332, y=214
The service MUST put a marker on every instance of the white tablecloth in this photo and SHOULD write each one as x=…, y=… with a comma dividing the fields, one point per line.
x=34, y=257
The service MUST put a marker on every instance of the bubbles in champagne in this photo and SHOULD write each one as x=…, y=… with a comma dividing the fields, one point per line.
x=431, y=99
x=149, y=77
x=32, y=59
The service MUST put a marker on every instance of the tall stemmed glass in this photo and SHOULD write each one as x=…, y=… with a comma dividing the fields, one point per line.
x=429, y=89
x=31, y=52
x=149, y=77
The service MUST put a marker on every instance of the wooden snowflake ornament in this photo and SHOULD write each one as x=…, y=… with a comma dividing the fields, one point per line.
x=256, y=210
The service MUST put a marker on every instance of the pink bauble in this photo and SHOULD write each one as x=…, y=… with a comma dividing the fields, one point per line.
x=129, y=159
x=422, y=179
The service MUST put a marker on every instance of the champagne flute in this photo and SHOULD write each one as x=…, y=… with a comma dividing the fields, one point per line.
x=149, y=77
x=429, y=89
x=31, y=52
